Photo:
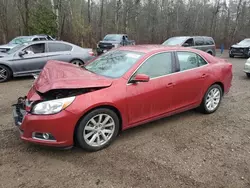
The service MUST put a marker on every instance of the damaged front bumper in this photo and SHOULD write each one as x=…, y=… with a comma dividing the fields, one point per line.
x=55, y=130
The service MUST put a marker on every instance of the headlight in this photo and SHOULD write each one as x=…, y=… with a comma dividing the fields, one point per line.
x=116, y=45
x=53, y=106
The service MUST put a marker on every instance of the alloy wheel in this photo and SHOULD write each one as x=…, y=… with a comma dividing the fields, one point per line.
x=99, y=130
x=213, y=99
x=3, y=74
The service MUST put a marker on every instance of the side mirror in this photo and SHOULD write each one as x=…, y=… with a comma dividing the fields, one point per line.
x=22, y=53
x=140, y=78
x=185, y=45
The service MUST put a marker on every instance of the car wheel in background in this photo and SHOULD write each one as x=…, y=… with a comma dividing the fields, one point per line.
x=5, y=73
x=97, y=129
x=211, y=100
x=231, y=56
x=248, y=75
x=77, y=62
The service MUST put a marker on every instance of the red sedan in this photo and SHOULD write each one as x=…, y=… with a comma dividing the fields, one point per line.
x=121, y=89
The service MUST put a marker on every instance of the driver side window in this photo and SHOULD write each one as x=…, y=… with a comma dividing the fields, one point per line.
x=35, y=49
x=157, y=65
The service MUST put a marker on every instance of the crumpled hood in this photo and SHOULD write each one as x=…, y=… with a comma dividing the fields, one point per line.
x=240, y=46
x=61, y=75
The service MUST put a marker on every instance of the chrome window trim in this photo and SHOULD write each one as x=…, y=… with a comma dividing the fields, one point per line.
x=175, y=51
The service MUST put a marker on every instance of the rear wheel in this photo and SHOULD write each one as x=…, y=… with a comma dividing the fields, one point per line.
x=77, y=62
x=211, y=100
x=97, y=129
x=248, y=75
x=5, y=73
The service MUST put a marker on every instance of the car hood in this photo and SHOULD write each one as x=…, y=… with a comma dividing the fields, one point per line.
x=240, y=46
x=2, y=54
x=8, y=46
x=61, y=75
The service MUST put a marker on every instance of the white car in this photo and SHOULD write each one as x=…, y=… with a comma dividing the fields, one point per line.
x=247, y=68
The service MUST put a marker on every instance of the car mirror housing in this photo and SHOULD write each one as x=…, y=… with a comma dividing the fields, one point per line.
x=140, y=78
x=22, y=53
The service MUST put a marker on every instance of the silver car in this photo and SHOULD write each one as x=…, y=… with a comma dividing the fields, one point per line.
x=29, y=58
x=203, y=43
x=247, y=68
x=23, y=39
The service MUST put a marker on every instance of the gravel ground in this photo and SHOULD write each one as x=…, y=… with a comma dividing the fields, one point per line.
x=185, y=150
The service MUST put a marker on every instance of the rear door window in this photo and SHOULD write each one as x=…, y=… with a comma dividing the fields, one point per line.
x=208, y=41
x=189, y=60
x=59, y=47
x=199, y=41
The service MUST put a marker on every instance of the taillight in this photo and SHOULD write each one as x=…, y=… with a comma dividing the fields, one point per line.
x=91, y=53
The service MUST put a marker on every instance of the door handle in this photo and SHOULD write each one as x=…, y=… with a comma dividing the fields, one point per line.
x=170, y=84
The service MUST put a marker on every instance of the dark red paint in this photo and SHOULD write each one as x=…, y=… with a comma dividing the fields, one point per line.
x=137, y=103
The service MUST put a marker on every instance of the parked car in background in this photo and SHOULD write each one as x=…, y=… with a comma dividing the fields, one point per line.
x=30, y=58
x=203, y=43
x=113, y=41
x=247, y=68
x=241, y=49
x=23, y=39
x=120, y=89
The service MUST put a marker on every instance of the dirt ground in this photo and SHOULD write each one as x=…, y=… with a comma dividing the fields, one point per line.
x=185, y=150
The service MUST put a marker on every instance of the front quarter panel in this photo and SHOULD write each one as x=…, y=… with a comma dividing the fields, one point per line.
x=111, y=96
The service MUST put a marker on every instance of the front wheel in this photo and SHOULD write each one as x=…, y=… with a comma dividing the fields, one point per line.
x=248, y=75
x=97, y=129
x=231, y=56
x=77, y=62
x=211, y=100
x=5, y=73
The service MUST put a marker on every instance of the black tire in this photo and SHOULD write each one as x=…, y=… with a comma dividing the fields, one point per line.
x=231, y=56
x=77, y=62
x=248, y=75
x=6, y=73
x=211, y=53
x=81, y=126
x=203, y=108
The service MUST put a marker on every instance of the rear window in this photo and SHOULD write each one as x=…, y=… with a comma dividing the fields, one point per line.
x=209, y=41
x=59, y=47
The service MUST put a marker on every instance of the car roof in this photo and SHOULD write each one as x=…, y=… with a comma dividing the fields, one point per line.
x=191, y=36
x=47, y=41
x=149, y=48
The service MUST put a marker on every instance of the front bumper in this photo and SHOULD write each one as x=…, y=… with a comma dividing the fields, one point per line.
x=61, y=126
x=238, y=52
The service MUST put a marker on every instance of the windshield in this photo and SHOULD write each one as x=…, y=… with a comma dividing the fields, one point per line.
x=114, y=63
x=245, y=42
x=20, y=40
x=13, y=50
x=175, y=41
x=112, y=37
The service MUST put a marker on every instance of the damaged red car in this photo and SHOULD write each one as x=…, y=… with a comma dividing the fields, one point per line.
x=121, y=89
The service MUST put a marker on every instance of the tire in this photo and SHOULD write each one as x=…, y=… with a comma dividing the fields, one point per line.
x=77, y=62
x=87, y=134
x=248, y=75
x=231, y=56
x=210, y=53
x=215, y=100
x=5, y=73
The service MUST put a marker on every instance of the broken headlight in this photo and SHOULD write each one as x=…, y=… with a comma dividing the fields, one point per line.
x=52, y=106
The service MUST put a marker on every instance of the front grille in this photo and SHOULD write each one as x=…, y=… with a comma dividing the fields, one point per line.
x=105, y=45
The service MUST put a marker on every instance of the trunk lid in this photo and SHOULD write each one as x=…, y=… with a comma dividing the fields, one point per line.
x=61, y=75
